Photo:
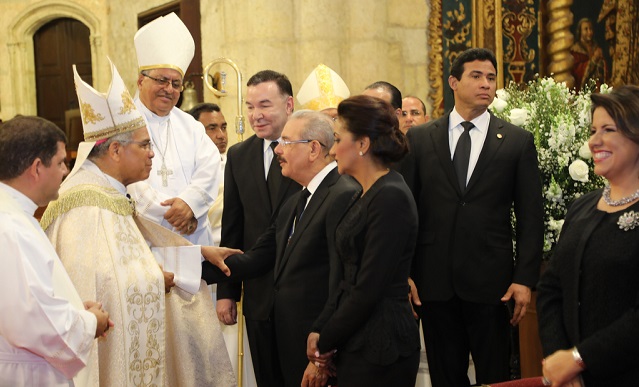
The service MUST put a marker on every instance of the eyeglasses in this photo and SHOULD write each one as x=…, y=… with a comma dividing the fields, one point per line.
x=287, y=143
x=146, y=145
x=164, y=82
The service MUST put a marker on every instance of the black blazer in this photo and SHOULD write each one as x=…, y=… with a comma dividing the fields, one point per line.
x=588, y=296
x=301, y=275
x=464, y=246
x=370, y=311
x=246, y=215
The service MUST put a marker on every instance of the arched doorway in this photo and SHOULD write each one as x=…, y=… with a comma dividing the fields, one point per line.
x=57, y=45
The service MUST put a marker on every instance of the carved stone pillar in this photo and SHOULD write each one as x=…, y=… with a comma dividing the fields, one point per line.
x=560, y=20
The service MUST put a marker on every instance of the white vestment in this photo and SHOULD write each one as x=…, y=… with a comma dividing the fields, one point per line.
x=156, y=340
x=215, y=212
x=45, y=333
x=188, y=162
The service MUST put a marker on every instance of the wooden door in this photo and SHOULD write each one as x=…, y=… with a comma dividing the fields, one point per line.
x=58, y=45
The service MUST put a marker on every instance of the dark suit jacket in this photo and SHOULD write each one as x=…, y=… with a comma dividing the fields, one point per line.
x=370, y=312
x=246, y=215
x=302, y=267
x=464, y=246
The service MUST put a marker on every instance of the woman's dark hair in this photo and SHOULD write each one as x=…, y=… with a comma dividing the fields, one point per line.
x=374, y=118
x=622, y=104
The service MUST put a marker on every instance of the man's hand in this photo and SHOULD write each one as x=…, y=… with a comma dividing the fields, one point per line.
x=226, y=309
x=169, y=280
x=179, y=215
x=217, y=255
x=413, y=297
x=521, y=294
x=104, y=322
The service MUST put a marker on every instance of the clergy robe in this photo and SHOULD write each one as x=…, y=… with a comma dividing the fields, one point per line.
x=169, y=342
x=45, y=333
x=186, y=165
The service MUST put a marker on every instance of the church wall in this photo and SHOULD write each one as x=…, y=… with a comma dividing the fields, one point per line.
x=363, y=41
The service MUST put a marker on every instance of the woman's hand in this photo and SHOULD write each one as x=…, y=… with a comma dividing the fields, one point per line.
x=560, y=368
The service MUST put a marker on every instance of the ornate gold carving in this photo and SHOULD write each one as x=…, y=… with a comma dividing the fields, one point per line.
x=435, y=54
x=127, y=103
x=488, y=11
x=560, y=20
x=518, y=23
x=89, y=116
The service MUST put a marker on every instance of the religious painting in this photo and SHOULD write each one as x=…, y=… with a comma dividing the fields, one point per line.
x=591, y=41
x=508, y=27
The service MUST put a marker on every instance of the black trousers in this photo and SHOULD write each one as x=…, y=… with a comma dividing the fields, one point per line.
x=354, y=371
x=266, y=361
x=455, y=328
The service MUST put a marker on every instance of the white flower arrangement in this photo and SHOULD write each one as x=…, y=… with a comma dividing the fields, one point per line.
x=559, y=119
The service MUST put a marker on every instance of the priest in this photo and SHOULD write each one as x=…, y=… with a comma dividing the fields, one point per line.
x=186, y=172
x=46, y=334
x=120, y=269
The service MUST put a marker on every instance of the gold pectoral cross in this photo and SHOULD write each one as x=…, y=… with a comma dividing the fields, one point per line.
x=165, y=172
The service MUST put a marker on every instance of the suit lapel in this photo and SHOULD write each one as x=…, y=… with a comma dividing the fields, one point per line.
x=318, y=198
x=494, y=138
x=257, y=166
x=442, y=148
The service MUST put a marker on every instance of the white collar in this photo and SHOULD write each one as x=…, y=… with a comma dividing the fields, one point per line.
x=321, y=175
x=28, y=205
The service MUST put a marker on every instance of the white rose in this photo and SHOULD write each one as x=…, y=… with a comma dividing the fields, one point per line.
x=584, y=151
x=518, y=117
x=502, y=94
x=579, y=171
x=498, y=105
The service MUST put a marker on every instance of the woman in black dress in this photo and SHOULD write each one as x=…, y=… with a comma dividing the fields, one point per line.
x=367, y=325
x=588, y=298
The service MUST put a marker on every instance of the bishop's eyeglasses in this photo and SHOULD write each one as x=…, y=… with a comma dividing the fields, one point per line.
x=164, y=82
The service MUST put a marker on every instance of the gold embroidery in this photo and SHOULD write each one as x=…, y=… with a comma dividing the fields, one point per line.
x=89, y=115
x=127, y=103
x=86, y=195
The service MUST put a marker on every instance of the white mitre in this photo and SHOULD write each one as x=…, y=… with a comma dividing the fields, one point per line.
x=164, y=43
x=104, y=114
x=322, y=89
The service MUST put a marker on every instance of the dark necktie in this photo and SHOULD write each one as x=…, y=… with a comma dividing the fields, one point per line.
x=461, y=158
x=299, y=209
x=274, y=177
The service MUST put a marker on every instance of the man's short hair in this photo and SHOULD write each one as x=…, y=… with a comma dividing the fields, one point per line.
x=24, y=139
x=99, y=150
x=205, y=107
x=318, y=127
x=396, y=95
x=280, y=80
x=470, y=55
x=420, y=101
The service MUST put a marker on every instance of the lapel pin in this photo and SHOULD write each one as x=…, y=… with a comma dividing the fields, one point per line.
x=499, y=135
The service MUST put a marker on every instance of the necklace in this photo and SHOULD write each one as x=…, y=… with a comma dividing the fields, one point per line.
x=620, y=202
x=164, y=171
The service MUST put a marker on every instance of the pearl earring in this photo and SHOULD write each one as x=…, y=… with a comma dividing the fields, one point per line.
x=360, y=153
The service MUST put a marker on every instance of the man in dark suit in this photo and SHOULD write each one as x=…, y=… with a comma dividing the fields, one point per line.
x=254, y=190
x=467, y=171
x=298, y=245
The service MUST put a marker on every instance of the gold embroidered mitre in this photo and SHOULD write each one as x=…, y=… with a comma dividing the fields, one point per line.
x=322, y=89
x=105, y=115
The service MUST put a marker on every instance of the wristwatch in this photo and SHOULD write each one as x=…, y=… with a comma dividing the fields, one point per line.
x=578, y=359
